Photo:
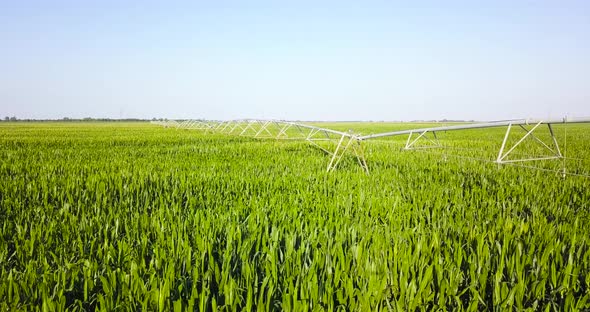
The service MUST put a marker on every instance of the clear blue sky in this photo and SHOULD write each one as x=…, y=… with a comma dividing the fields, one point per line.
x=310, y=60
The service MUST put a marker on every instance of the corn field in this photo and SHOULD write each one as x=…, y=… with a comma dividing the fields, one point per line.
x=134, y=217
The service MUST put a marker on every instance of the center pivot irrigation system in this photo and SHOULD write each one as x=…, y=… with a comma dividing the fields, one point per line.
x=352, y=142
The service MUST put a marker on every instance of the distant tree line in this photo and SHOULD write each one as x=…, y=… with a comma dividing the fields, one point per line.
x=14, y=118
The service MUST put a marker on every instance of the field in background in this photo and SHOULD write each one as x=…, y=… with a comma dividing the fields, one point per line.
x=135, y=216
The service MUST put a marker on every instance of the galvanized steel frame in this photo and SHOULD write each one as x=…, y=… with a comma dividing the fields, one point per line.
x=349, y=141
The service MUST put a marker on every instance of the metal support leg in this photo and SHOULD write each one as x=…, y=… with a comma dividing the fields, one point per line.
x=246, y=128
x=435, y=141
x=312, y=133
x=360, y=155
x=408, y=141
x=283, y=131
x=499, y=159
x=225, y=126
x=262, y=129
x=554, y=141
x=339, y=153
x=409, y=145
x=266, y=129
x=235, y=127
x=502, y=156
x=541, y=142
x=334, y=156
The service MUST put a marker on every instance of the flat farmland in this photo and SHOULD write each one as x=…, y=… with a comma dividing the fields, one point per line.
x=133, y=216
